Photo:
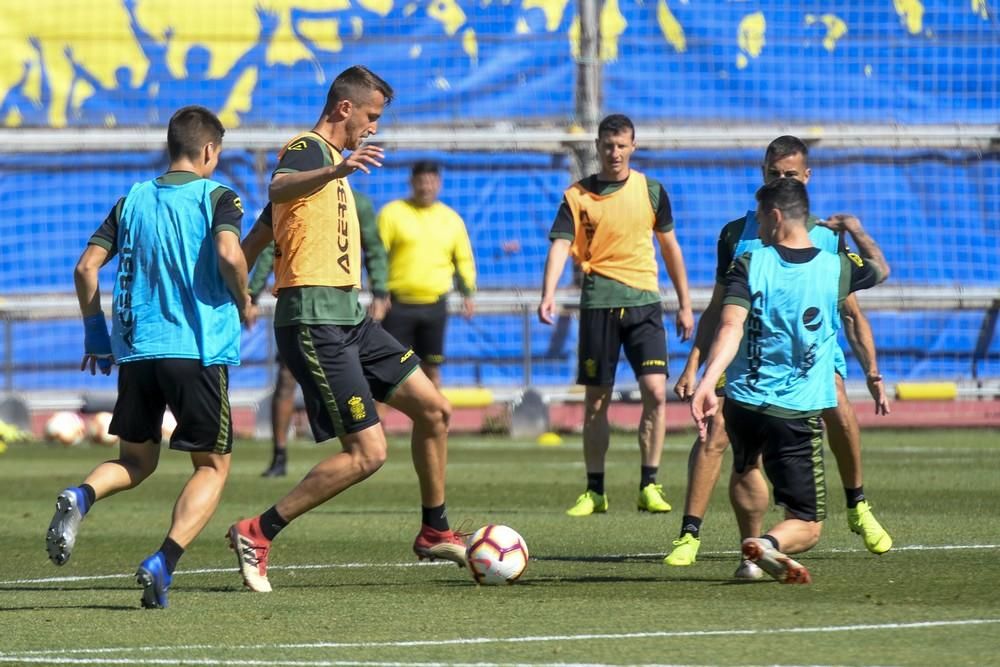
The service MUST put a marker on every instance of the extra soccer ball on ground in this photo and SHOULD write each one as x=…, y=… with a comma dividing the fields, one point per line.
x=65, y=428
x=496, y=555
x=97, y=430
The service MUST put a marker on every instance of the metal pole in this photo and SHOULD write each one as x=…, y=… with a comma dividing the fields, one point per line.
x=8, y=355
x=588, y=84
x=526, y=345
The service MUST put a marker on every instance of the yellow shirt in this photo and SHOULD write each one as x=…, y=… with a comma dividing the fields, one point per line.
x=426, y=247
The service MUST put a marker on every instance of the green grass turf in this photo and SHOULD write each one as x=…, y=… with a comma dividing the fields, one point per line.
x=347, y=590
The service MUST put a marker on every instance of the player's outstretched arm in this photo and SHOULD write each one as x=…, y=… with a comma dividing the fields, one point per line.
x=725, y=345
x=865, y=244
x=555, y=261
x=233, y=269
x=97, y=342
x=288, y=186
x=261, y=235
x=707, y=325
x=858, y=331
x=670, y=249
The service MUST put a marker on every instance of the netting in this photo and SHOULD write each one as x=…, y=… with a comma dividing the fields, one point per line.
x=105, y=63
x=933, y=212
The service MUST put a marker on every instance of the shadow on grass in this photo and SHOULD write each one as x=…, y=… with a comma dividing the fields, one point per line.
x=52, y=607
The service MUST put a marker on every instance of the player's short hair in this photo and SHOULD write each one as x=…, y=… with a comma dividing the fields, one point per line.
x=616, y=123
x=788, y=195
x=425, y=167
x=355, y=84
x=785, y=146
x=190, y=128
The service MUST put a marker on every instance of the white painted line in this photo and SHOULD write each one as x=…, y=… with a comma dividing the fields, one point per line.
x=220, y=570
x=360, y=566
x=468, y=641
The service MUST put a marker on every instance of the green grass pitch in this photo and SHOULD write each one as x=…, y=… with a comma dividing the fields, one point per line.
x=348, y=590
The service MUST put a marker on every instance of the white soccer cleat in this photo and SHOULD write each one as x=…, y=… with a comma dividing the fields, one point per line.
x=775, y=563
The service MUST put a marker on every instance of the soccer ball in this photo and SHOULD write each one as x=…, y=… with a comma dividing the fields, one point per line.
x=496, y=555
x=169, y=424
x=66, y=428
x=97, y=430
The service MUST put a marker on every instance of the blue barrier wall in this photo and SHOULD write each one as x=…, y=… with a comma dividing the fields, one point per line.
x=933, y=212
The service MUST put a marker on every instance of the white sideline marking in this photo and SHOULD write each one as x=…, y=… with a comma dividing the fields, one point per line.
x=356, y=663
x=62, y=655
x=355, y=566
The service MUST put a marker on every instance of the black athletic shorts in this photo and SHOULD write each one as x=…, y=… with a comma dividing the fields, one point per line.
x=792, y=453
x=198, y=397
x=603, y=332
x=420, y=327
x=343, y=370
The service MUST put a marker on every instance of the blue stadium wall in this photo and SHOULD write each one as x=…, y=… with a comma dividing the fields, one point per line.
x=909, y=62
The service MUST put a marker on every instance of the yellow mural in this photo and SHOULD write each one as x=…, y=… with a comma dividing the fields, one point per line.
x=911, y=13
x=835, y=28
x=671, y=28
x=553, y=10
x=612, y=23
x=750, y=37
x=980, y=9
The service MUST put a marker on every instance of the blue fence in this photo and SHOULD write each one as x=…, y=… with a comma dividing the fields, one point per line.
x=933, y=212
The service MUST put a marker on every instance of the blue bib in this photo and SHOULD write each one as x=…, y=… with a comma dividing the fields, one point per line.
x=169, y=299
x=821, y=237
x=786, y=357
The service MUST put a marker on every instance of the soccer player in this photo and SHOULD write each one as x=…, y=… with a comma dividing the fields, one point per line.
x=179, y=296
x=343, y=360
x=785, y=157
x=283, y=398
x=428, y=247
x=607, y=222
x=777, y=337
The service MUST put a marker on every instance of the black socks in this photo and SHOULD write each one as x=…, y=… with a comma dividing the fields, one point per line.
x=271, y=523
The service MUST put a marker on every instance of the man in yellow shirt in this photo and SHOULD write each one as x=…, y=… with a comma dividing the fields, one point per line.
x=342, y=360
x=428, y=248
x=607, y=222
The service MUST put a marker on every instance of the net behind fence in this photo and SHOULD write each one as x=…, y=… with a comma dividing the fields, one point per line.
x=930, y=211
x=105, y=63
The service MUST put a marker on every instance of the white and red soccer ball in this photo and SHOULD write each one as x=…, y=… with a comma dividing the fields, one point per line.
x=97, y=430
x=496, y=555
x=65, y=428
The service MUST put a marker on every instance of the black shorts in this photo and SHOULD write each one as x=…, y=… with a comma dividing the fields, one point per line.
x=198, y=397
x=603, y=332
x=343, y=370
x=792, y=453
x=420, y=327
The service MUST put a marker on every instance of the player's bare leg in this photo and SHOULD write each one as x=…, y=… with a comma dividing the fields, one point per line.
x=282, y=411
x=845, y=442
x=361, y=455
x=791, y=536
x=704, y=468
x=433, y=372
x=419, y=399
x=200, y=496
x=750, y=498
x=596, y=438
x=845, y=437
x=652, y=427
x=136, y=461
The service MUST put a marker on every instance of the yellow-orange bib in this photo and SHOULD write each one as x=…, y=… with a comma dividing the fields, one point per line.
x=317, y=237
x=613, y=233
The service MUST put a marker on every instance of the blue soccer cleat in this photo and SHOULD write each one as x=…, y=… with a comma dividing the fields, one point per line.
x=152, y=575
